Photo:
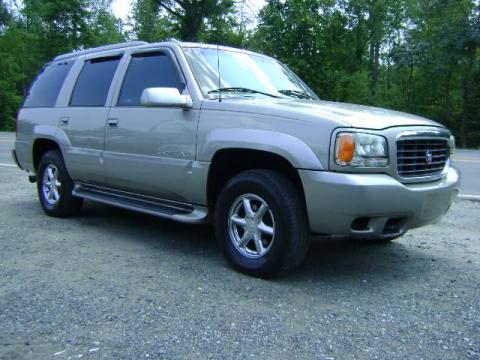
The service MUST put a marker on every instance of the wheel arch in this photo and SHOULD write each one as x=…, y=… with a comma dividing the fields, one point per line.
x=40, y=147
x=289, y=147
x=228, y=162
x=47, y=137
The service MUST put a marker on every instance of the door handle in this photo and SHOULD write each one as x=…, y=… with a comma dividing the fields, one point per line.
x=64, y=120
x=113, y=122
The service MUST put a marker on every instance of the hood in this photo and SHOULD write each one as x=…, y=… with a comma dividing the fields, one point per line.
x=358, y=116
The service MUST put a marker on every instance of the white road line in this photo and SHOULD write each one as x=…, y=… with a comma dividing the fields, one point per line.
x=469, y=197
x=8, y=165
x=465, y=160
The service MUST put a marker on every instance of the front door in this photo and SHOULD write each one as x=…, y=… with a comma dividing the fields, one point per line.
x=150, y=150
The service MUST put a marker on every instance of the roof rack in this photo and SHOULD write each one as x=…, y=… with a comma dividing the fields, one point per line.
x=100, y=48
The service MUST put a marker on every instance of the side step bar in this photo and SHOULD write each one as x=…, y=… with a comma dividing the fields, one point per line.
x=145, y=204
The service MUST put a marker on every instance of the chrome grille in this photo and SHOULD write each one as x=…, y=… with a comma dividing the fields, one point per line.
x=421, y=157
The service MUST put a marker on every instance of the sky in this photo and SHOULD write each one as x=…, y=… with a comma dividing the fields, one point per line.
x=122, y=8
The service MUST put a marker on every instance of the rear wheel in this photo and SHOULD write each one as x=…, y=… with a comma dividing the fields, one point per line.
x=261, y=223
x=55, y=186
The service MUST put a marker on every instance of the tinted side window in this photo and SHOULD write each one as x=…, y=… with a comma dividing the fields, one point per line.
x=94, y=82
x=146, y=71
x=44, y=90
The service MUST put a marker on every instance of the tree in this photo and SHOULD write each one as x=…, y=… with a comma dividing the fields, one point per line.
x=10, y=72
x=190, y=14
x=444, y=46
x=324, y=42
x=103, y=27
x=148, y=24
x=224, y=29
x=419, y=56
x=5, y=16
x=40, y=31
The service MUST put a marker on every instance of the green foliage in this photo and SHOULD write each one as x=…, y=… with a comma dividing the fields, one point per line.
x=104, y=27
x=223, y=29
x=40, y=31
x=419, y=56
x=189, y=16
x=194, y=20
x=5, y=16
x=10, y=75
x=416, y=56
x=148, y=24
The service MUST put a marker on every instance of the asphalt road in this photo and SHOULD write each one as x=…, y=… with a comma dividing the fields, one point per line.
x=6, y=144
x=113, y=284
x=467, y=161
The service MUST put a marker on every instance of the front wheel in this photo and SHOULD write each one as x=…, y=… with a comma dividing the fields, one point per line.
x=261, y=223
x=55, y=186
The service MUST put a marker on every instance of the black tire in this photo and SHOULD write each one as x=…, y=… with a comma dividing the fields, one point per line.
x=291, y=237
x=67, y=204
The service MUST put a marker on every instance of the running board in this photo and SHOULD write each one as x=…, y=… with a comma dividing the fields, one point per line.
x=145, y=204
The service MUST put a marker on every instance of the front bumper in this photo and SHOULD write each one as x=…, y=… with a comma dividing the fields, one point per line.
x=373, y=205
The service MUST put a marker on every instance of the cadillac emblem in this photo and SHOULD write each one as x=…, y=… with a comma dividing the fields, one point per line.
x=428, y=157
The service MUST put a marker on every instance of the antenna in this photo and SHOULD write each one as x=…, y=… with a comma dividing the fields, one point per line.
x=219, y=77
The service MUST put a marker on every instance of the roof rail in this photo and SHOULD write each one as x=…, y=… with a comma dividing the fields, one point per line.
x=100, y=48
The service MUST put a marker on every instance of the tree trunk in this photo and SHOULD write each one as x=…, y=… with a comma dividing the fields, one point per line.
x=192, y=21
x=409, y=89
x=465, y=98
x=374, y=68
x=448, y=106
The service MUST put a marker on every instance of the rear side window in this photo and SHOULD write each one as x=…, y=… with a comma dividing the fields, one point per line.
x=94, y=82
x=146, y=71
x=44, y=90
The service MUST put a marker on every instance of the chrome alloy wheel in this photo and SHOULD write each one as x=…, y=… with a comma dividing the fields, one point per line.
x=51, y=184
x=251, y=226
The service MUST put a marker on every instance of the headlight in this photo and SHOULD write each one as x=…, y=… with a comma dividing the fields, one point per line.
x=361, y=150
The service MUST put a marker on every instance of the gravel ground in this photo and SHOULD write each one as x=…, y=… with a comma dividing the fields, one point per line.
x=116, y=284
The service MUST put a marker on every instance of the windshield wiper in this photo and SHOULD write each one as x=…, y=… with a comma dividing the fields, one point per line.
x=296, y=93
x=242, y=90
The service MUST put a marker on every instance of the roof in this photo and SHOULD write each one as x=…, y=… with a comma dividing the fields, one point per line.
x=123, y=45
x=135, y=44
x=220, y=47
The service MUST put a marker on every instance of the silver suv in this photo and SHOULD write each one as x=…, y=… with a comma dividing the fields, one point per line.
x=195, y=133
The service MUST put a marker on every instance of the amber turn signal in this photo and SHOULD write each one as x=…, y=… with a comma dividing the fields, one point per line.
x=345, y=148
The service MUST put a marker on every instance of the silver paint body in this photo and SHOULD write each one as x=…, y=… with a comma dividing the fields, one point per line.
x=165, y=152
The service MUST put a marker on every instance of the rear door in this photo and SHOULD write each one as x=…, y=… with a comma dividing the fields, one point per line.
x=150, y=150
x=40, y=108
x=83, y=119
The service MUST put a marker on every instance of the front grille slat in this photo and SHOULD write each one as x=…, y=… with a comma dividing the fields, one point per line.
x=424, y=170
x=421, y=157
x=416, y=150
x=422, y=164
x=429, y=143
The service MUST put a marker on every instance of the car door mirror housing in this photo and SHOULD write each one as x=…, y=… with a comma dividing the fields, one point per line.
x=165, y=97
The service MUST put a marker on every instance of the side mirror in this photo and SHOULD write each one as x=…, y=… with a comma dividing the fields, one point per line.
x=165, y=97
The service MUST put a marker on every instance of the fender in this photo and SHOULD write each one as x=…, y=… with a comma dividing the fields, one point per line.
x=52, y=133
x=49, y=132
x=299, y=154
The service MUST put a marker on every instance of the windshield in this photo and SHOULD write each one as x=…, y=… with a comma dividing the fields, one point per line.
x=244, y=75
